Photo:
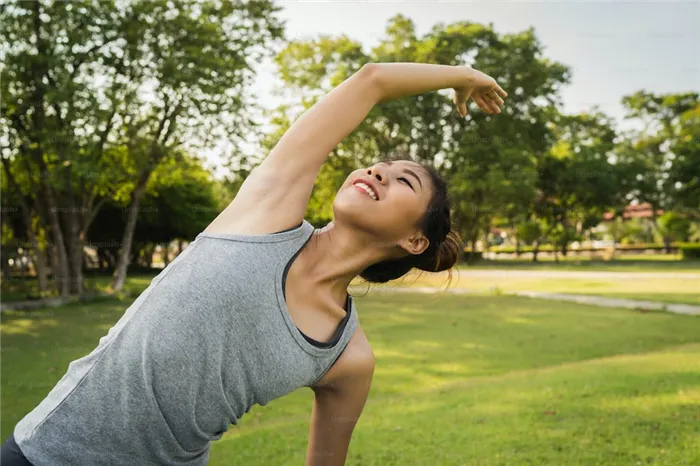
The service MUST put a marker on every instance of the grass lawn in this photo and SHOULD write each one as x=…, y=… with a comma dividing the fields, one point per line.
x=478, y=380
x=629, y=263
x=628, y=285
x=20, y=289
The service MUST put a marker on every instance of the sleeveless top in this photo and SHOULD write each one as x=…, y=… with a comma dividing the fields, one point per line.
x=209, y=338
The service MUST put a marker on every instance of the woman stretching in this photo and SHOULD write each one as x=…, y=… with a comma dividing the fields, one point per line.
x=257, y=305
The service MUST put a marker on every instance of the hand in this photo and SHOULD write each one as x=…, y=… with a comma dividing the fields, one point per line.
x=483, y=89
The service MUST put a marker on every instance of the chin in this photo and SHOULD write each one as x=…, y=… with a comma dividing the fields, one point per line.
x=351, y=209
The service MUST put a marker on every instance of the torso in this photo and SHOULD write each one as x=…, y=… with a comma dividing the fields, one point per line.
x=315, y=314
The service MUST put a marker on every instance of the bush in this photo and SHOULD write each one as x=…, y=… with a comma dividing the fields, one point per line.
x=620, y=247
x=475, y=256
x=690, y=251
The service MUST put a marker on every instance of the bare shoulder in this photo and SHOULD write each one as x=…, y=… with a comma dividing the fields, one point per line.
x=265, y=203
x=355, y=364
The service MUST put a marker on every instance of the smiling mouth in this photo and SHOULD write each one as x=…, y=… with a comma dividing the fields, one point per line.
x=360, y=187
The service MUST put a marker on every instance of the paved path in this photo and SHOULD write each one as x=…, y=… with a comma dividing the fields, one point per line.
x=614, y=302
x=582, y=299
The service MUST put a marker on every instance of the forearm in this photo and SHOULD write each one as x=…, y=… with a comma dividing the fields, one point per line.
x=396, y=80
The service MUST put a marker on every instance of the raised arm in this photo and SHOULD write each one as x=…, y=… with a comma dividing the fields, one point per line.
x=299, y=154
x=276, y=194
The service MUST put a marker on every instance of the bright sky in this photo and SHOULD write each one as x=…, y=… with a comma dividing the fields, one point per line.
x=613, y=48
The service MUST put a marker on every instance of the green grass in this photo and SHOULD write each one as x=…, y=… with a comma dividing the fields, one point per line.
x=629, y=285
x=20, y=289
x=629, y=263
x=478, y=380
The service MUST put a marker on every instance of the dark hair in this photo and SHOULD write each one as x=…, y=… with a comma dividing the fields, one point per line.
x=445, y=247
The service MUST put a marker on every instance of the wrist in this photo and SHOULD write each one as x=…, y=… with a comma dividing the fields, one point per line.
x=465, y=77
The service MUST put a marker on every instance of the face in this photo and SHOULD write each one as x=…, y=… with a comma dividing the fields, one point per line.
x=403, y=189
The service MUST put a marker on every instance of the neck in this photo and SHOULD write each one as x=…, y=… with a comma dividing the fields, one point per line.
x=335, y=255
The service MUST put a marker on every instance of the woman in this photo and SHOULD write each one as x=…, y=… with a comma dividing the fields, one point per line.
x=248, y=313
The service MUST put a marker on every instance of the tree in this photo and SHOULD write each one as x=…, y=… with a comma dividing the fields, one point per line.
x=673, y=227
x=684, y=176
x=178, y=203
x=662, y=156
x=576, y=178
x=94, y=85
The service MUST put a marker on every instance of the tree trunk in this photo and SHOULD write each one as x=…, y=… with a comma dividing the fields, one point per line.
x=61, y=268
x=516, y=238
x=166, y=254
x=475, y=236
x=39, y=71
x=39, y=260
x=535, y=250
x=6, y=268
x=149, y=256
x=667, y=244
x=54, y=267
x=75, y=242
x=128, y=237
x=4, y=249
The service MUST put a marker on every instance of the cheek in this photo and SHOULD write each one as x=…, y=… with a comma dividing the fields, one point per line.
x=403, y=206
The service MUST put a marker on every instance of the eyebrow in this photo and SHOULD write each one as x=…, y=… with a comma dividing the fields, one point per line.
x=410, y=172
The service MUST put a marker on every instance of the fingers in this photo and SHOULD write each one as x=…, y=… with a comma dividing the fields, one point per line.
x=496, y=98
x=499, y=90
x=492, y=105
x=481, y=103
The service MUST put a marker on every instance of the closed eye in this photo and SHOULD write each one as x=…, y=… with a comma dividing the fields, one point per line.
x=402, y=178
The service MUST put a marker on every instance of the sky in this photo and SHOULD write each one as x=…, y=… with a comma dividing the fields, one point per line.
x=613, y=48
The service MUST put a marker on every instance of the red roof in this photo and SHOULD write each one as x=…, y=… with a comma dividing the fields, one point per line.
x=634, y=211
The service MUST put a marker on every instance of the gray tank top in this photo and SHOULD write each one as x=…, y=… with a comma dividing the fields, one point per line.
x=209, y=338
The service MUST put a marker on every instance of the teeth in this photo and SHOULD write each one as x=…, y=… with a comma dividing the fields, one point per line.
x=368, y=189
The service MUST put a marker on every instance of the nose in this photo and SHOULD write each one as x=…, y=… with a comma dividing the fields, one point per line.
x=378, y=172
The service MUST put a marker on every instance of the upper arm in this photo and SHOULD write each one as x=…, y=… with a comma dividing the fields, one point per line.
x=303, y=148
x=337, y=407
x=278, y=190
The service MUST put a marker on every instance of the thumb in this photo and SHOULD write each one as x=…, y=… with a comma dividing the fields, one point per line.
x=461, y=98
x=462, y=109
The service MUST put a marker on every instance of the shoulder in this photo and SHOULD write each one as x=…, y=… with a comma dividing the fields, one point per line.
x=355, y=364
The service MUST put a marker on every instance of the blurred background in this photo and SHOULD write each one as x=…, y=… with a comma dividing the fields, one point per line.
x=127, y=126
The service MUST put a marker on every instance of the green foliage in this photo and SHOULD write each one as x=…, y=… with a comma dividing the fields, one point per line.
x=690, y=251
x=180, y=202
x=97, y=95
x=674, y=226
x=529, y=231
x=662, y=160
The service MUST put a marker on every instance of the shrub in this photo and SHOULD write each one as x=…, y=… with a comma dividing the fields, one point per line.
x=690, y=251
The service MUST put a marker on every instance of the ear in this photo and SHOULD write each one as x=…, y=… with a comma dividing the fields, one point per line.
x=415, y=244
